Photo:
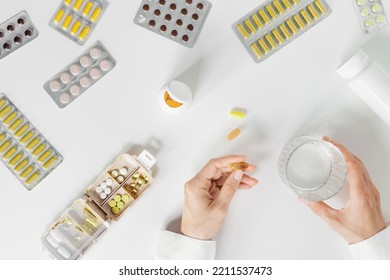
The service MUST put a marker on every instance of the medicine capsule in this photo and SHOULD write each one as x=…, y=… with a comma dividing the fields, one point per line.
x=239, y=166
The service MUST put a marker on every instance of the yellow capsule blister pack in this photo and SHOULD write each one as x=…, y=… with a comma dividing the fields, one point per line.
x=276, y=23
x=76, y=19
x=23, y=149
x=104, y=202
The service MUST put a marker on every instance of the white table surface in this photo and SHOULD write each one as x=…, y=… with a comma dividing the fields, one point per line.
x=297, y=84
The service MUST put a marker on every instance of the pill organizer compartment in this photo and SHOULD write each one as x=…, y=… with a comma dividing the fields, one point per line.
x=90, y=216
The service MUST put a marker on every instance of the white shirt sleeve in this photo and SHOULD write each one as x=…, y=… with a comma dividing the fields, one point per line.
x=376, y=247
x=173, y=246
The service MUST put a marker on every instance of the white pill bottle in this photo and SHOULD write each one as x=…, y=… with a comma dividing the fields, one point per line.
x=370, y=82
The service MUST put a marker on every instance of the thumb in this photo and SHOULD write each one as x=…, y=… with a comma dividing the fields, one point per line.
x=229, y=188
x=321, y=209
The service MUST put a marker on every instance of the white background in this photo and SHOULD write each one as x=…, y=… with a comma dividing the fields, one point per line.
x=297, y=84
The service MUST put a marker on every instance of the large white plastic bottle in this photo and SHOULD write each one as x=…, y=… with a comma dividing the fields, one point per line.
x=370, y=82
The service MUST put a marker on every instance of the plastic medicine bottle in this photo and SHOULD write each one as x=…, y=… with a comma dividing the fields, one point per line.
x=370, y=82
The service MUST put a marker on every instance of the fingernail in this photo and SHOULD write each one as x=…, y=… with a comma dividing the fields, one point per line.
x=238, y=175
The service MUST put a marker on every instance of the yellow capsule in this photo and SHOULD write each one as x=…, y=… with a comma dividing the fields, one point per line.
x=2, y=102
x=75, y=28
x=27, y=137
x=21, y=165
x=77, y=5
x=16, y=124
x=285, y=31
x=264, y=16
x=27, y=171
x=257, y=21
x=2, y=136
x=66, y=22
x=296, y=2
x=299, y=21
x=320, y=6
x=233, y=134
x=270, y=40
x=50, y=162
x=10, y=118
x=87, y=8
x=15, y=159
x=264, y=45
x=292, y=26
x=278, y=36
x=243, y=31
x=96, y=13
x=313, y=11
x=5, y=111
x=84, y=33
x=33, y=143
x=33, y=178
x=21, y=130
x=67, y=2
x=287, y=4
x=39, y=149
x=5, y=146
x=250, y=26
x=271, y=11
x=240, y=113
x=10, y=153
x=306, y=16
x=45, y=156
x=278, y=6
x=239, y=166
x=256, y=50
x=59, y=15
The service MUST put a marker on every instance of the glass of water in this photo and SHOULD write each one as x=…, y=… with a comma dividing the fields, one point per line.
x=313, y=168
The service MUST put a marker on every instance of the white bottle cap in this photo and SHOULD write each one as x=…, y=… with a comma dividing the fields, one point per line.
x=146, y=159
x=175, y=97
x=354, y=65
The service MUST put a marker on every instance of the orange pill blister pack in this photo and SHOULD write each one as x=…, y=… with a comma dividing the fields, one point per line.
x=104, y=202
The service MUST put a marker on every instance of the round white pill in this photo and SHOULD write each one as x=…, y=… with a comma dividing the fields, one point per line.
x=109, y=182
x=107, y=191
x=103, y=185
x=65, y=98
x=123, y=171
x=85, y=82
x=65, y=77
x=99, y=189
x=74, y=90
x=120, y=179
x=103, y=195
x=74, y=69
x=95, y=73
x=85, y=61
x=95, y=53
x=105, y=65
x=54, y=86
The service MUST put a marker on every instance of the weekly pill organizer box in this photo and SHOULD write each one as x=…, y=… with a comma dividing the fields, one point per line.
x=104, y=201
x=178, y=20
x=23, y=149
x=80, y=75
x=76, y=19
x=274, y=24
x=15, y=33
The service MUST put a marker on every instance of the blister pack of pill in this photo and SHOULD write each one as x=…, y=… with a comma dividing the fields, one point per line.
x=371, y=14
x=15, y=33
x=80, y=75
x=76, y=19
x=274, y=24
x=178, y=20
x=23, y=149
x=105, y=201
